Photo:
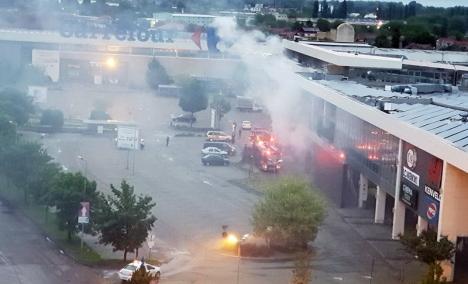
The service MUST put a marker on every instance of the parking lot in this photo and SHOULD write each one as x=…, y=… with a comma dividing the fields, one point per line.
x=193, y=201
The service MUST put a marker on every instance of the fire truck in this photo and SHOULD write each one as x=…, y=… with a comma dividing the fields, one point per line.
x=264, y=150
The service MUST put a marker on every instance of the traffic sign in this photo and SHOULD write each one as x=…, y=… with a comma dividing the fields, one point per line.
x=83, y=214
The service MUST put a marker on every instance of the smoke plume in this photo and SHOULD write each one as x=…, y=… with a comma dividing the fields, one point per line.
x=272, y=79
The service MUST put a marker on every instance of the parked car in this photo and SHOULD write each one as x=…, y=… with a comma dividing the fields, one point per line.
x=224, y=146
x=186, y=117
x=246, y=125
x=213, y=159
x=126, y=273
x=213, y=150
x=218, y=136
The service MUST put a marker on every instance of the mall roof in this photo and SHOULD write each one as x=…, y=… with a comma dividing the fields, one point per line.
x=365, y=56
x=436, y=129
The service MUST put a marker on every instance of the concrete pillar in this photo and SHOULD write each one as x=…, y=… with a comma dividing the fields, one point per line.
x=399, y=209
x=380, y=199
x=398, y=227
x=363, y=190
x=421, y=226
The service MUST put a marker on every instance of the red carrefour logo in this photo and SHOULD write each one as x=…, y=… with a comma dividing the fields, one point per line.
x=431, y=211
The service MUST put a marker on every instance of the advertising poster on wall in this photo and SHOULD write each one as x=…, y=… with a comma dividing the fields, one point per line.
x=421, y=178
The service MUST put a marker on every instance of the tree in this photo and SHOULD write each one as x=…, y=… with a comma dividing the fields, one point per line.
x=141, y=276
x=335, y=24
x=99, y=115
x=302, y=271
x=342, y=11
x=323, y=25
x=325, y=11
x=156, y=75
x=7, y=131
x=124, y=219
x=68, y=191
x=315, y=9
x=221, y=105
x=430, y=251
x=193, y=97
x=52, y=118
x=24, y=165
x=290, y=213
x=15, y=105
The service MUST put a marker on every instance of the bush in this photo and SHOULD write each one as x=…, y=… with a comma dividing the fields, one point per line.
x=99, y=115
x=289, y=214
x=52, y=118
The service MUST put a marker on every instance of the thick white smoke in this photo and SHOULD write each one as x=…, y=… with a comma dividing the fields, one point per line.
x=272, y=79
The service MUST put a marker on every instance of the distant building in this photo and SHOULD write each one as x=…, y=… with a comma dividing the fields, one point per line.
x=452, y=44
x=257, y=8
x=280, y=16
x=195, y=19
x=309, y=32
x=371, y=16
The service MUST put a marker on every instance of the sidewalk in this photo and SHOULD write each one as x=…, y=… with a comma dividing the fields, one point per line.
x=378, y=236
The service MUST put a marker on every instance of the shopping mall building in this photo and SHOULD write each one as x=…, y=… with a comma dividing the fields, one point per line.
x=401, y=151
x=122, y=58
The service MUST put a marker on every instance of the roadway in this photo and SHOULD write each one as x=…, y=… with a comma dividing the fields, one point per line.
x=27, y=256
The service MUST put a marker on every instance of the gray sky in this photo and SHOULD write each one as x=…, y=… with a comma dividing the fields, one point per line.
x=436, y=3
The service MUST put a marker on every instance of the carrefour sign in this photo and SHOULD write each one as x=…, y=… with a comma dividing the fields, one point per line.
x=107, y=34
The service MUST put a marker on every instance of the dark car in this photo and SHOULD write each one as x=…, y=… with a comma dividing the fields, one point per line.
x=214, y=160
x=224, y=146
x=187, y=117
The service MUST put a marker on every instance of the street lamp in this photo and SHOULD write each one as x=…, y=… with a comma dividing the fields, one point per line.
x=83, y=195
x=16, y=129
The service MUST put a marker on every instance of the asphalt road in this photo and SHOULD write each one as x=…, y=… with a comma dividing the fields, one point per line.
x=26, y=256
x=194, y=201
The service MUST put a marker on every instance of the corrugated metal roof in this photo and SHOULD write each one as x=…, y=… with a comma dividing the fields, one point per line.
x=439, y=120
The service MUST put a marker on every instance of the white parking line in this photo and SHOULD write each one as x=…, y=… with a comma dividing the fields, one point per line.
x=3, y=258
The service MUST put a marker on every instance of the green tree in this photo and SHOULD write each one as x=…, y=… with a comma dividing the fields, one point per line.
x=335, y=24
x=99, y=115
x=16, y=105
x=302, y=271
x=430, y=251
x=456, y=25
x=193, y=97
x=156, y=75
x=342, y=11
x=7, y=132
x=323, y=25
x=315, y=9
x=141, y=276
x=221, y=105
x=290, y=213
x=125, y=219
x=325, y=11
x=68, y=191
x=52, y=118
x=24, y=165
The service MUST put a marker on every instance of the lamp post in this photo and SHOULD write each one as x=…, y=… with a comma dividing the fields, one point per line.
x=16, y=129
x=83, y=196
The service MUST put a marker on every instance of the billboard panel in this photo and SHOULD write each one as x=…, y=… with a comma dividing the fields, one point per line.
x=127, y=137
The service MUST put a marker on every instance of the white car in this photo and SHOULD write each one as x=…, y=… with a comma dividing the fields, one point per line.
x=213, y=150
x=246, y=125
x=218, y=136
x=126, y=273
